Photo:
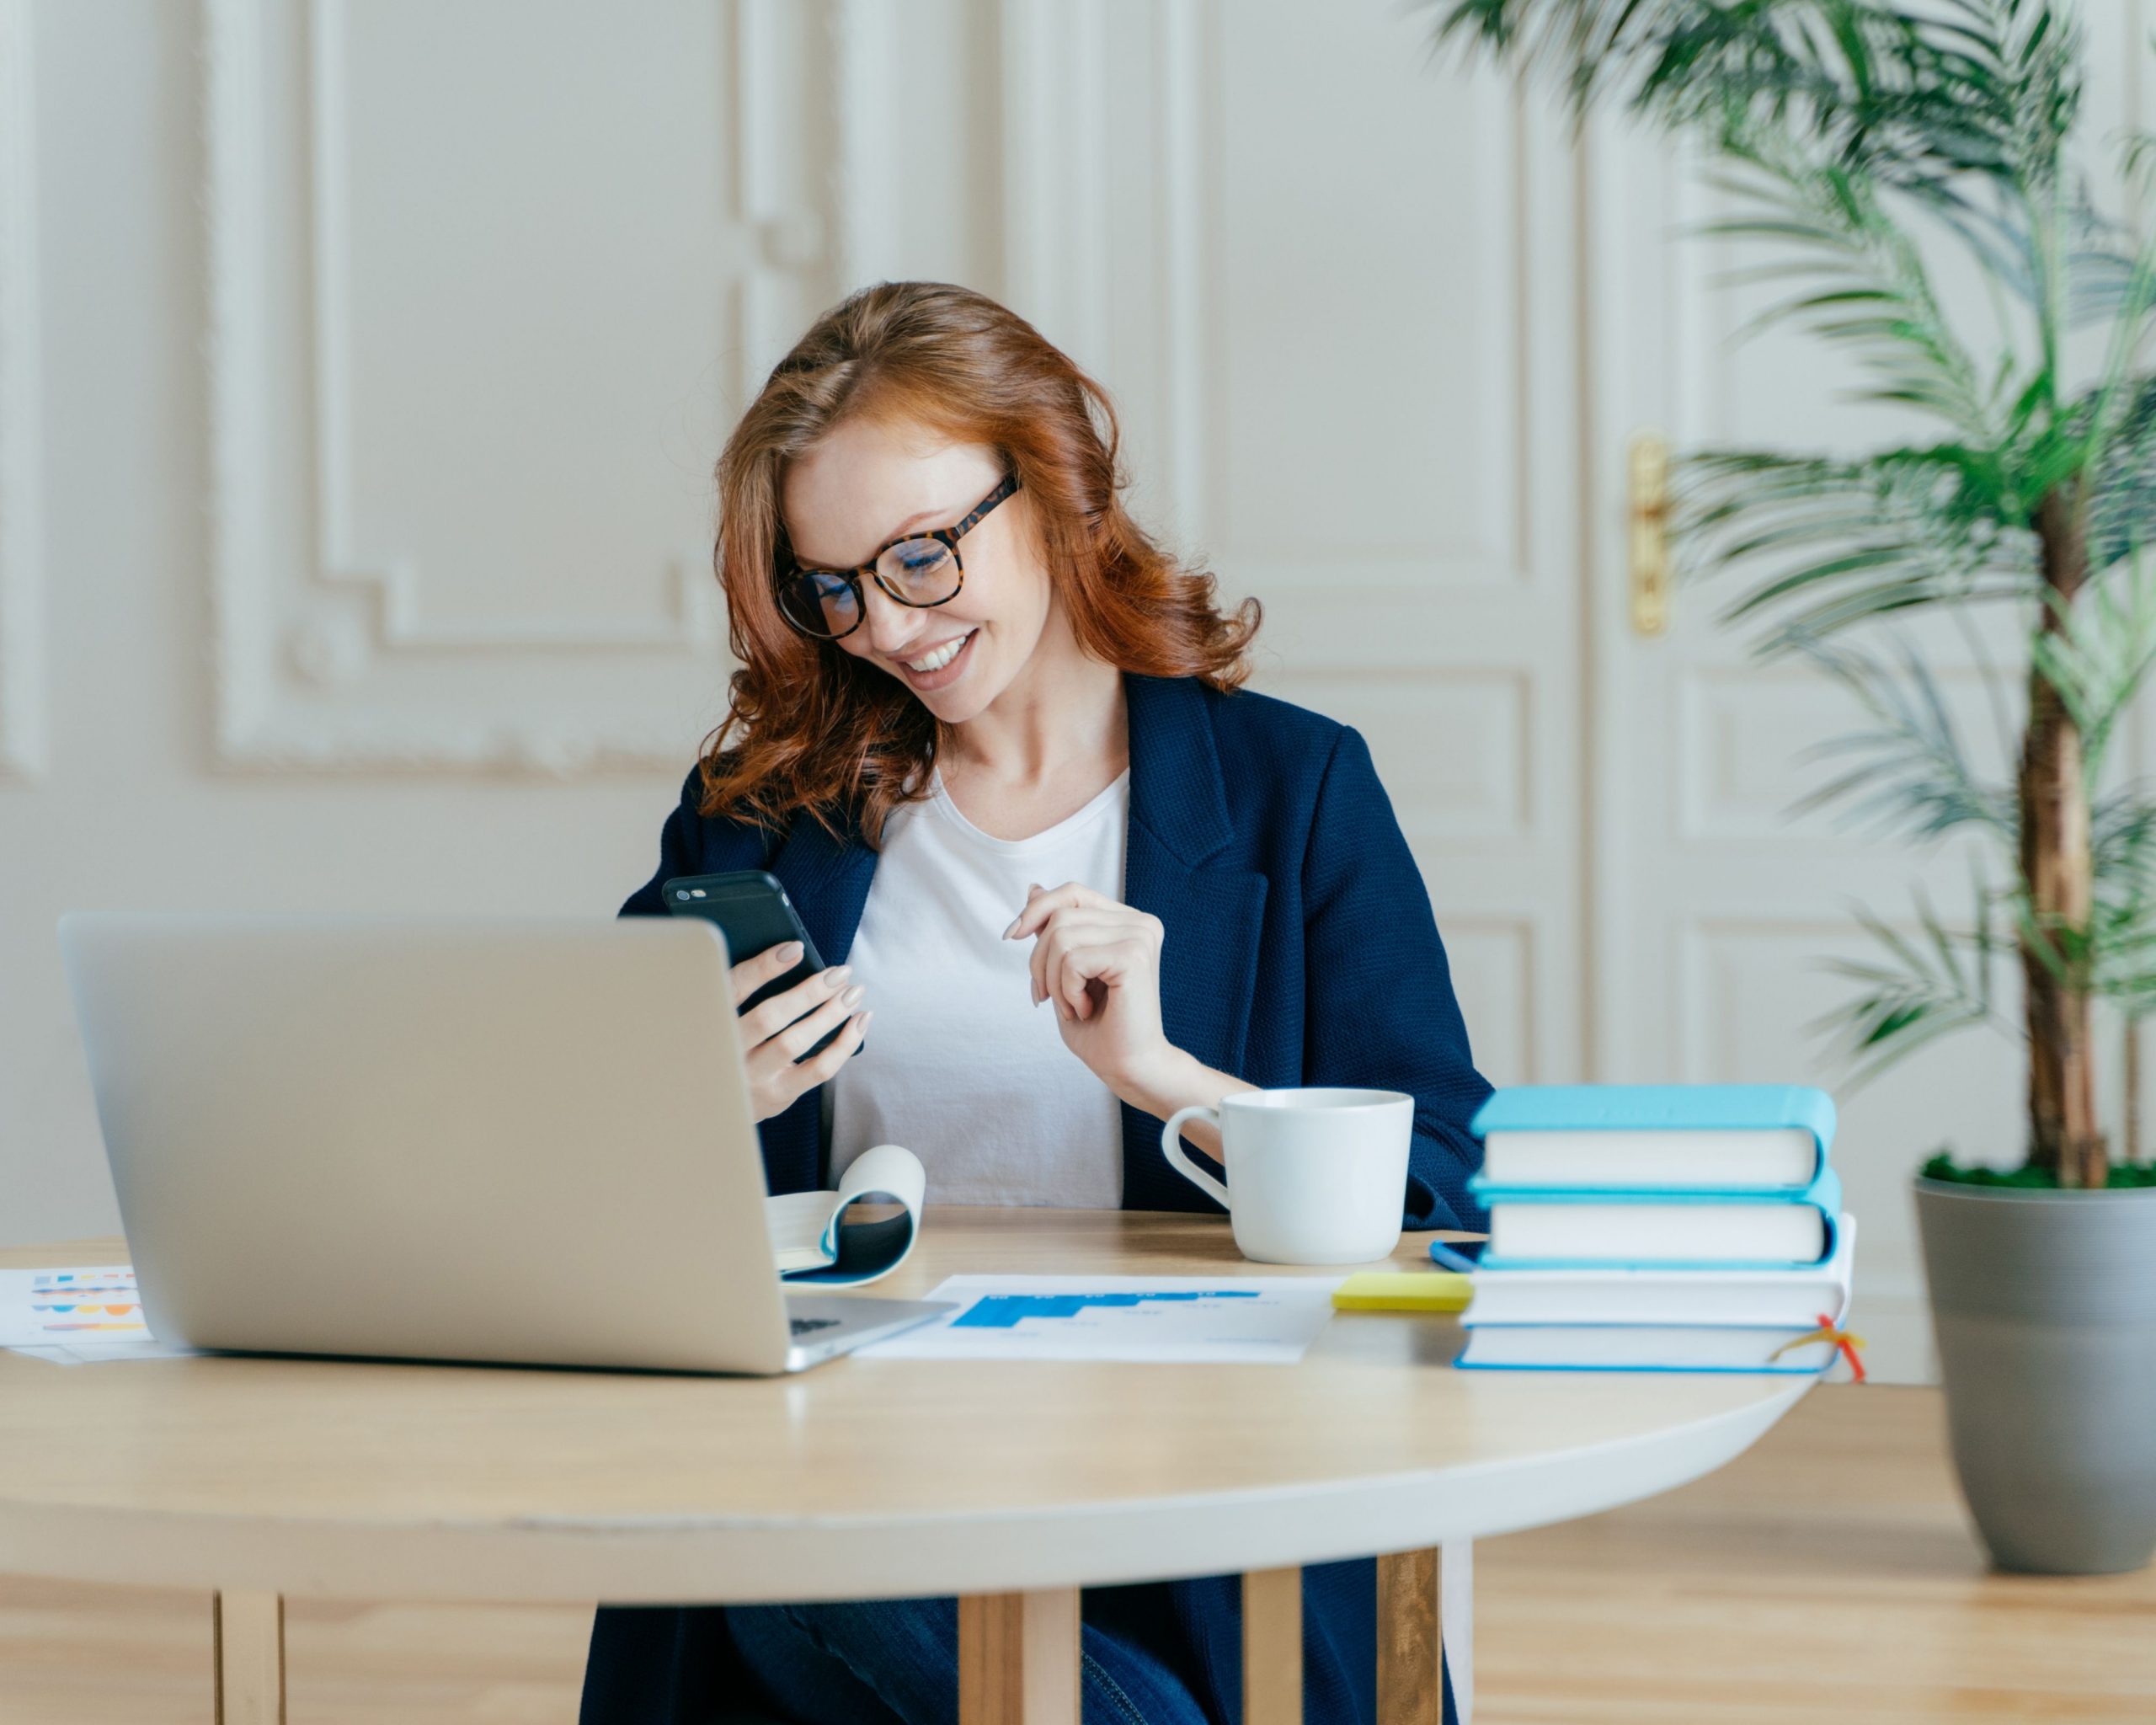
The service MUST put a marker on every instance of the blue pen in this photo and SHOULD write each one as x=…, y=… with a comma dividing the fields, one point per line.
x=1446, y=1258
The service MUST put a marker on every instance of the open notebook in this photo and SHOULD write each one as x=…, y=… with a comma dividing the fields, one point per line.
x=829, y=1237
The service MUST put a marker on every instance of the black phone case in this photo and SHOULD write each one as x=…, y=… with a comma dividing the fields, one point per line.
x=754, y=913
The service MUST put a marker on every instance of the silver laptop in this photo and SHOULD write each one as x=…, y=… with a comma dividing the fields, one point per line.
x=500, y=1141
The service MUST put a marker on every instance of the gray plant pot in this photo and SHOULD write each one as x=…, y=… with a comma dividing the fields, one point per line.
x=2044, y=1304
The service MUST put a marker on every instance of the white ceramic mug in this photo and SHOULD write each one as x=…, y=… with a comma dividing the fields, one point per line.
x=1314, y=1176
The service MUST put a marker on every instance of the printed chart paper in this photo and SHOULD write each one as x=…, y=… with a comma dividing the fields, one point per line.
x=72, y=1316
x=1181, y=1320
x=48, y=1307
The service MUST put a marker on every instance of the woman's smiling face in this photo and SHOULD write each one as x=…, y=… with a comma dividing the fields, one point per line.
x=866, y=482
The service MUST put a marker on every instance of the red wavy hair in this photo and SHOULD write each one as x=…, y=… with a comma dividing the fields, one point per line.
x=811, y=727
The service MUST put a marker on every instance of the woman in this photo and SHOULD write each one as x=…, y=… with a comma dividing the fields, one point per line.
x=990, y=737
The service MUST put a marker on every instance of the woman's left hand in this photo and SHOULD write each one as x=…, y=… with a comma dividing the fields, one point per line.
x=1099, y=962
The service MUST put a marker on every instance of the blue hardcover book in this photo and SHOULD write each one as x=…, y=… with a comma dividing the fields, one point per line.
x=1559, y=1228
x=1734, y=1137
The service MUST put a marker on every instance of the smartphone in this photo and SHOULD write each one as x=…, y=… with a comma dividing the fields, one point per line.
x=754, y=913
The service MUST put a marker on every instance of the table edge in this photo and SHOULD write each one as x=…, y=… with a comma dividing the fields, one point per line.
x=740, y=1559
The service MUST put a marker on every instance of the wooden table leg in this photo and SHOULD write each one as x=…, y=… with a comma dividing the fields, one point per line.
x=1409, y=1689
x=1272, y=1647
x=1018, y=1658
x=249, y=1630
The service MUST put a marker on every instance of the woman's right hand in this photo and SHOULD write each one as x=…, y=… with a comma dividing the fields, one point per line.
x=786, y=1026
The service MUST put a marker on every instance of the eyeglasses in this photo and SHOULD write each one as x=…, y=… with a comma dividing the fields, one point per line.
x=919, y=569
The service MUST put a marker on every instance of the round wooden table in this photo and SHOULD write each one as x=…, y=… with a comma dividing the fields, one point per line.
x=1011, y=1484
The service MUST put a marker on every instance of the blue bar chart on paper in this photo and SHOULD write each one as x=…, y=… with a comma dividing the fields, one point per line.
x=1000, y=1311
x=1254, y=1319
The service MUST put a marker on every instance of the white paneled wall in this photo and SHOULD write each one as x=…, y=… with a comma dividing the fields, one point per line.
x=461, y=377
x=362, y=364
x=22, y=571
x=387, y=347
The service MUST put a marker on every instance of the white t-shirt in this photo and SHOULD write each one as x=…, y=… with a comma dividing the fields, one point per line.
x=960, y=1065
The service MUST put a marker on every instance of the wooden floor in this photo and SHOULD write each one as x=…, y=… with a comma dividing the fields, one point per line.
x=1827, y=1576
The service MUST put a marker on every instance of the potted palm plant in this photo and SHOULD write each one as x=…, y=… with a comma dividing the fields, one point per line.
x=1866, y=149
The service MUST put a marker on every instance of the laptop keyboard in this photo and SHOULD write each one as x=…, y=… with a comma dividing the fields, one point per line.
x=803, y=1326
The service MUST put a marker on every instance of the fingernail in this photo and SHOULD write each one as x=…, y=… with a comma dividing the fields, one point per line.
x=838, y=973
x=790, y=952
x=851, y=997
x=1013, y=928
x=863, y=1020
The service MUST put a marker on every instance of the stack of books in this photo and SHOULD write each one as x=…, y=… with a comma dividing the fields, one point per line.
x=1659, y=1228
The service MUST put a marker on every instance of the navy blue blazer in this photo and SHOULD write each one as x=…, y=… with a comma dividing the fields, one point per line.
x=1299, y=948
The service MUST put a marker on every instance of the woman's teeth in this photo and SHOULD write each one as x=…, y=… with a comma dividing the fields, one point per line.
x=940, y=657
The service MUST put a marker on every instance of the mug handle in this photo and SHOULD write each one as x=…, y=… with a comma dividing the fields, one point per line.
x=1179, y=1159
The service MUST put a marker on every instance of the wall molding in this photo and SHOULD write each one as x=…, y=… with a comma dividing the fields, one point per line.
x=23, y=744
x=335, y=665
x=692, y=621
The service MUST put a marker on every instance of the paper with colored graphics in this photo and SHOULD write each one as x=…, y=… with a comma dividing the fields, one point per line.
x=72, y=1315
x=1179, y=1319
x=65, y=1305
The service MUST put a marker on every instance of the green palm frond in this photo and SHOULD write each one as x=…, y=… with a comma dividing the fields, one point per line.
x=2125, y=947
x=1857, y=278
x=2129, y=980
x=2099, y=656
x=2118, y=393
x=2124, y=933
x=2102, y=267
x=1831, y=543
x=2122, y=488
x=1664, y=60
x=2122, y=843
x=2012, y=69
x=1917, y=990
x=1907, y=774
x=2098, y=253
x=1983, y=86
x=2122, y=838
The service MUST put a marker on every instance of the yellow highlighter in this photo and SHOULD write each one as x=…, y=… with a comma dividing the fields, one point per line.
x=1418, y=1290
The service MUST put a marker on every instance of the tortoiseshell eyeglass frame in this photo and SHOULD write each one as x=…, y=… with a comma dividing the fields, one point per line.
x=947, y=537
